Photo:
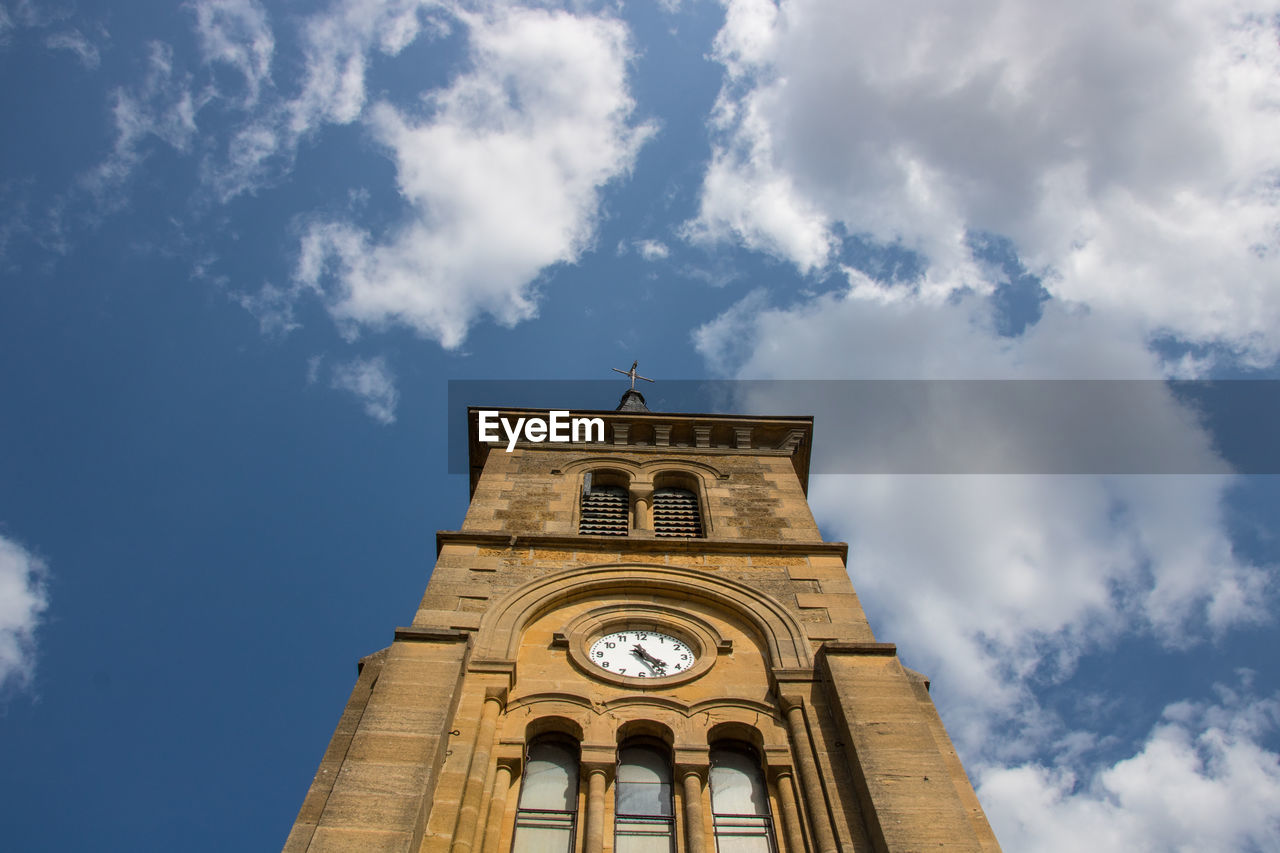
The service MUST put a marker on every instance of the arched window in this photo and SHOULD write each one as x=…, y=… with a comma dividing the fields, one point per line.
x=739, y=801
x=675, y=513
x=604, y=506
x=547, y=814
x=644, y=815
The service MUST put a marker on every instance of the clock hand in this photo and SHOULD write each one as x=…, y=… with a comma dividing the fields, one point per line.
x=649, y=660
x=639, y=654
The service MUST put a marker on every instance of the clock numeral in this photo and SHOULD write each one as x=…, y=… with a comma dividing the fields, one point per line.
x=622, y=669
x=684, y=657
x=622, y=638
x=599, y=654
x=642, y=674
x=642, y=636
x=605, y=664
x=609, y=645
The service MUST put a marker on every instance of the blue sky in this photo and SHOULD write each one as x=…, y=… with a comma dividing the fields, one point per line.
x=245, y=246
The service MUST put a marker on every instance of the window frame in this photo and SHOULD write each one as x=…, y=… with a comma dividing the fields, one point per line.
x=671, y=533
x=742, y=820
x=668, y=821
x=601, y=479
x=575, y=775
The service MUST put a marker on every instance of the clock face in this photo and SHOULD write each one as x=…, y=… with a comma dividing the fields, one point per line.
x=641, y=654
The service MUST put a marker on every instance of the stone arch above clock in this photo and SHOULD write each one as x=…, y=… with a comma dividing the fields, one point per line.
x=721, y=602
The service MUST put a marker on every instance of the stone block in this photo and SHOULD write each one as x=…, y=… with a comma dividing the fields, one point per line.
x=347, y=840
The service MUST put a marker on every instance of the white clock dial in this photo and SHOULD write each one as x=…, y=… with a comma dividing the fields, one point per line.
x=641, y=653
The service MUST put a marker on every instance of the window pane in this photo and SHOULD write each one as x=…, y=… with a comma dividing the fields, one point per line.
x=651, y=835
x=743, y=835
x=644, y=782
x=736, y=786
x=739, y=802
x=643, y=799
x=550, y=777
x=543, y=833
x=548, y=798
x=643, y=764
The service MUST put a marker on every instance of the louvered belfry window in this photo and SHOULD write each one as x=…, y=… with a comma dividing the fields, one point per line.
x=675, y=513
x=604, y=511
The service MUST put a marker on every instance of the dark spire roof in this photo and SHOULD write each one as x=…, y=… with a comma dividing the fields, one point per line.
x=632, y=401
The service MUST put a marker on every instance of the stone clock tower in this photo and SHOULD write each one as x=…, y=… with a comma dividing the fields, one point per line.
x=640, y=644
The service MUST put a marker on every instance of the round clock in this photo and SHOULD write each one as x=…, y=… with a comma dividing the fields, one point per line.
x=641, y=654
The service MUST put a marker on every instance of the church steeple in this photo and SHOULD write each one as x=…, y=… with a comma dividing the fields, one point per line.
x=635, y=639
x=632, y=400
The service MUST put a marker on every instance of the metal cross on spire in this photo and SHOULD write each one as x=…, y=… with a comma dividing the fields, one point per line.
x=632, y=374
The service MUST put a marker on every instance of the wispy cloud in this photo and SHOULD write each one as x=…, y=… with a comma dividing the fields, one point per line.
x=337, y=44
x=163, y=107
x=237, y=33
x=75, y=42
x=273, y=306
x=652, y=250
x=24, y=598
x=372, y=382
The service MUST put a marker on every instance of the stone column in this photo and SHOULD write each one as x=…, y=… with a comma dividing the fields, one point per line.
x=468, y=823
x=497, y=805
x=642, y=505
x=815, y=798
x=695, y=837
x=791, y=828
x=597, y=776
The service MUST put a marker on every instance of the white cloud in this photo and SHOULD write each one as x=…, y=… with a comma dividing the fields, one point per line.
x=1134, y=166
x=997, y=586
x=1203, y=780
x=337, y=44
x=1134, y=169
x=503, y=176
x=1001, y=581
x=372, y=382
x=23, y=600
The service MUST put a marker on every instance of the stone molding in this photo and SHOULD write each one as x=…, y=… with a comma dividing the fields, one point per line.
x=579, y=542
x=837, y=647
x=431, y=635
